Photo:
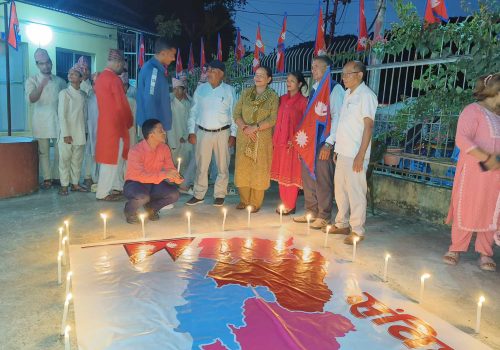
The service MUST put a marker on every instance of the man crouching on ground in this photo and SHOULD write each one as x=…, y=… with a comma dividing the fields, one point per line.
x=149, y=164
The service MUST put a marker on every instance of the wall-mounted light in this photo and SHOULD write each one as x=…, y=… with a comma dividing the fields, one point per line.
x=39, y=34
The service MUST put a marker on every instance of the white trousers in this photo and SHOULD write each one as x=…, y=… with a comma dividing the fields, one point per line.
x=206, y=144
x=111, y=176
x=48, y=173
x=70, y=163
x=350, y=195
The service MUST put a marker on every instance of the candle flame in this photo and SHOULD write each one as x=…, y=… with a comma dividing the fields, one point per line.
x=188, y=214
x=60, y=230
x=481, y=300
x=224, y=210
x=69, y=297
x=179, y=159
x=387, y=256
x=282, y=207
x=68, y=276
x=142, y=217
x=308, y=217
x=66, y=222
x=67, y=329
x=103, y=216
x=424, y=277
x=59, y=254
x=249, y=208
x=65, y=238
x=328, y=228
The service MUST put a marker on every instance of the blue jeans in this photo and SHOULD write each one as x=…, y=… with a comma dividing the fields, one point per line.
x=151, y=196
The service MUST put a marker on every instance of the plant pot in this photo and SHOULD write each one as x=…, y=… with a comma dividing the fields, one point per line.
x=392, y=156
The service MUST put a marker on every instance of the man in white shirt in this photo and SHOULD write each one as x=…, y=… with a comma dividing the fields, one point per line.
x=42, y=90
x=318, y=193
x=352, y=152
x=212, y=112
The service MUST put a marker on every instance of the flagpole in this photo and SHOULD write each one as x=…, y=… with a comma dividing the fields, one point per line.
x=7, y=68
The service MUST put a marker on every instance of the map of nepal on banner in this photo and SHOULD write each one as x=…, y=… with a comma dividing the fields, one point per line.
x=315, y=125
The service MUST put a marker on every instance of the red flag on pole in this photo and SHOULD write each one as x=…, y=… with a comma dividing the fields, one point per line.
x=280, y=55
x=178, y=64
x=191, y=60
x=239, y=51
x=363, y=33
x=259, y=48
x=435, y=11
x=203, y=62
x=320, y=46
x=140, y=61
x=219, y=48
x=13, y=26
x=315, y=125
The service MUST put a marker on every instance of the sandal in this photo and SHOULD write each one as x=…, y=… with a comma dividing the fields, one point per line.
x=78, y=188
x=46, y=184
x=63, y=191
x=110, y=198
x=116, y=192
x=241, y=206
x=486, y=263
x=451, y=258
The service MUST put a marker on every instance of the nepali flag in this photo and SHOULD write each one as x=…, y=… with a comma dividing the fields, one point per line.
x=191, y=60
x=315, y=125
x=140, y=61
x=280, y=56
x=219, y=48
x=435, y=11
x=178, y=64
x=203, y=61
x=259, y=48
x=13, y=37
x=320, y=45
x=239, y=50
x=363, y=33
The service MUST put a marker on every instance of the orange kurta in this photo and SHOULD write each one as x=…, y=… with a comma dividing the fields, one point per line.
x=114, y=120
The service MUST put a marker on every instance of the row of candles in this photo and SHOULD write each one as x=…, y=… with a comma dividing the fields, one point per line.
x=64, y=250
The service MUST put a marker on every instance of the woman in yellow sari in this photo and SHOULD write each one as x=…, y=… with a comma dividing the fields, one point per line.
x=255, y=114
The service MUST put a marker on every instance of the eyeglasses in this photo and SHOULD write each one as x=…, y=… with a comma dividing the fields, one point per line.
x=346, y=74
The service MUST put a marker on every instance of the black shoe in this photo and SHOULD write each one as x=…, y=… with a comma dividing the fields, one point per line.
x=194, y=201
x=132, y=219
x=218, y=202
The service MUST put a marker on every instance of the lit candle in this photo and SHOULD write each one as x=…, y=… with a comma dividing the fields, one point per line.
x=179, y=161
x=328, y=228
x=422, y=286
x=66, y=338
x=188, y=215
x=354, y=245
x=66, y=224
x=64, y=241
x=104, y=217
x=60, y=237
x=249, y=209
x=68, y=281
x=478, y=314
x=65, y=313
x=308, y=218
x=59, y=257
x=143, y=217
x=224, y=212
x=282, y=207
x=387, y=257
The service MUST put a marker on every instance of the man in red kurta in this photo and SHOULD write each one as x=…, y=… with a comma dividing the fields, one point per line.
x=114, y=120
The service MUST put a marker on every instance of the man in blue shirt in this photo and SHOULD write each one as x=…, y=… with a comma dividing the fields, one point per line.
x=153, y=91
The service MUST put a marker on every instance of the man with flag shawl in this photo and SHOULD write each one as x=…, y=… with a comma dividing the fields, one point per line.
x=113, y=124
x=153, y=89
x=352, y=152
x=319, y=126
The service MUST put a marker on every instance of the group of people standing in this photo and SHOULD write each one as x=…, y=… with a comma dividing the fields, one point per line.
x=261, y=128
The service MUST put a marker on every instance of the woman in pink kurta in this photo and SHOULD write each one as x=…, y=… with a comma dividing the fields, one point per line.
x=285, y=168
x=475, y=202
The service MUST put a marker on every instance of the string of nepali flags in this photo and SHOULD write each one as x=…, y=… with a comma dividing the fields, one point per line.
x=435, y=12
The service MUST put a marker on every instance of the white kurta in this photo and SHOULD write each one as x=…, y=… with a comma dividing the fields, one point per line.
x=92, y=115
x=180, y=115
x=72, y=114
x=133, y=130
x=44, y=118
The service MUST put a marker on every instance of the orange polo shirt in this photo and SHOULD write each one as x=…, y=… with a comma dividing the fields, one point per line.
x=149, y=166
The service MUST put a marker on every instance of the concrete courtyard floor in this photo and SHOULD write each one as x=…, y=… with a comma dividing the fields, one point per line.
x=31, y=302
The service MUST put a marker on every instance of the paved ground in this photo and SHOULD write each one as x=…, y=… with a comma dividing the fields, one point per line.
x=31, y=302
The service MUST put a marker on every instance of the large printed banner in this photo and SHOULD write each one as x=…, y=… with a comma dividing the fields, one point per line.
x=242, y=291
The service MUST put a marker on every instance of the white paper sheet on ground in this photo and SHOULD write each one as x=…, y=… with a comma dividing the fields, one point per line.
x=241, y=290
